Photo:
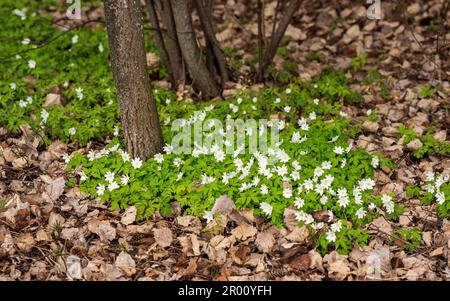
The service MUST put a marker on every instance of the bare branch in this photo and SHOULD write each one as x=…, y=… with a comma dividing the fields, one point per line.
x=210, y=36
x=260, y=73
x=159, y=40
x=279, y=33
x=201, y=76
x=164, y=7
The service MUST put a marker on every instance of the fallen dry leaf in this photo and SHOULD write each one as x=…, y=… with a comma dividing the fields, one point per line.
x=379, y=258
x=316, y=260
x=163, y=237
x=336, y=265
x=55, y=220
x=25, y=242
x=338, y=270
x=126, y=263
x=103, y=229
x=69, y=233
x=113, y=273
x=52, y=99
x=73, y=264
x=223, y=205
x=244, y=231
x=265, y=241
x=380, y=224
x=299, y=234
x=300, y=262
x=56, y=188
x=129, y=216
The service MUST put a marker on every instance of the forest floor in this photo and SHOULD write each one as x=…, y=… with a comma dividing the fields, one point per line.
x=51, y=232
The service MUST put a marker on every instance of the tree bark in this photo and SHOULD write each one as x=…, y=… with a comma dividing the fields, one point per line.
x=212, y=42
x=139, y=115
x=209, y=54
x=261, y=69
x=202, y=78
x=159, y=40
x=275, y=39
x=164, y=7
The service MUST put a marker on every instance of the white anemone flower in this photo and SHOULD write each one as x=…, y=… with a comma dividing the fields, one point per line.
x=136, y=163
x=266, y=208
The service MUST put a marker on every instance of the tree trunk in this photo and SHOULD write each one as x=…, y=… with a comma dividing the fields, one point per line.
x=164, y=8
x=139, y=115
x=212, y=43
x=159, y=40
x=202, y=78
x=276, y=37
x=261, y=70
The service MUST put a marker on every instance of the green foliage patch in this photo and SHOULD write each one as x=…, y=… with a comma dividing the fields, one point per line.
x=431, y=145
x=317, y=171
x=409, y=237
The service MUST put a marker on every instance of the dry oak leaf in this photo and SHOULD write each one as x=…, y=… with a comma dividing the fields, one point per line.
x=289, y=219
x=191, y=268
x=16, y=210
x=316, y=260
x=8, y=154
x=69, y=233
x=57, y=148
x=195, y=245
x=25, y=242
x=223, y=205
x=55, y=219
x=73, y=264
x=41, y=235
x=39, y=270
x=163, y=237
x=337, y=266
x=379, y=258
x=56, y=188
x=265, y=241
x=186, y=244
x=256, y=260
x=382, y=225
x=19, y=163
x=338, y=270
x=300, y=234
x=414, y=145
x=301, y=262
x=371, y=127
x=52, y=99
x=415, y=267
x=126, y=263
x=244, y=231
x=112, y=273
x=129, y=216
x=352, y=33
x=7, y=246
x=103, y=229
x=189, y=220
x=240, y=253
x=221, y=242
